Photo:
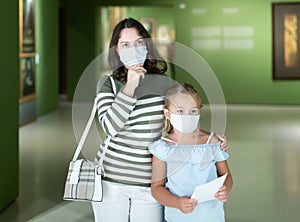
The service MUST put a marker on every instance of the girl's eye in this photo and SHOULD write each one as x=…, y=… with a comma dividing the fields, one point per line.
x=180, y=111
x=194, y=111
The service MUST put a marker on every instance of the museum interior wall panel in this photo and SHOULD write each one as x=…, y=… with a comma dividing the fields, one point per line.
x=27, y=57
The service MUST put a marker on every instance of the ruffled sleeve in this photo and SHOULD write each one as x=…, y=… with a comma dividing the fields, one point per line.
x=159, y=149
x=220, y=155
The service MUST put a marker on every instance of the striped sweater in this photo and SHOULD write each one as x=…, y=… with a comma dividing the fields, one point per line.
x=133, y=123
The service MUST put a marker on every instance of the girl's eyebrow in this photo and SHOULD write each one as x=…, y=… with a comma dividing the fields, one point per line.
x=183, y=107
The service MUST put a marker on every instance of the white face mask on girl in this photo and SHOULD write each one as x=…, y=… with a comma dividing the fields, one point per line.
x=184, y=123
x=133, y=55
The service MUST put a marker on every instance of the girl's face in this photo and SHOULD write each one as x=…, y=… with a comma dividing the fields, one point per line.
x=182, y=104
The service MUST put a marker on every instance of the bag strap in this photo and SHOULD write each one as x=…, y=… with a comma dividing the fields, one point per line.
x=113, y=84
x=88, y=126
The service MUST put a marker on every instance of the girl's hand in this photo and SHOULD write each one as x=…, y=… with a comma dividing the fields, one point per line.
x=222, y=194
x=223, y=138
x=133, y=78
x=186, y=204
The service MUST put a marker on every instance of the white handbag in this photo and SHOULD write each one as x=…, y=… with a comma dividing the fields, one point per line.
x=84, y=179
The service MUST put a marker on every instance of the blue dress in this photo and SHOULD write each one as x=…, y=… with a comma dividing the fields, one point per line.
x=187, y=167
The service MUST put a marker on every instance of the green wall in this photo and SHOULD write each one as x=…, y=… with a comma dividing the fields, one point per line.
x=9, y=99
x=244, y=74
x=81, y=44
x=47, y=48
x=47, y=84
x=162, y=14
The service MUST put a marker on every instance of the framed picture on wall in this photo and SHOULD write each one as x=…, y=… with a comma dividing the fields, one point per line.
x=27, y=78
x=286, y=40
x=27, y=26
x=150, y=25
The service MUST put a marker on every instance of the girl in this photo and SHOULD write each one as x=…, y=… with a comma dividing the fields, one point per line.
x=187, y=157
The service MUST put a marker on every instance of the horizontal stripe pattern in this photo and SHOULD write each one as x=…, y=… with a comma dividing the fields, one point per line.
x=133, y=124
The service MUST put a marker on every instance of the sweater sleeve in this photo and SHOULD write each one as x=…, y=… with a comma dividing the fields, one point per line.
x=113, y=110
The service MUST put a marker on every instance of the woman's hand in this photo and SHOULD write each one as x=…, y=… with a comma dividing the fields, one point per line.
x=186, y=205
x=223, y=138
x=222, y=194
x=134, y=74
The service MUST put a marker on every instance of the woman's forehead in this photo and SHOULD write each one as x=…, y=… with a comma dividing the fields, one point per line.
x=129, y=35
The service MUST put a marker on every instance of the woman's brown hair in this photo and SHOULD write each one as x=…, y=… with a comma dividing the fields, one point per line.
x=154, y=63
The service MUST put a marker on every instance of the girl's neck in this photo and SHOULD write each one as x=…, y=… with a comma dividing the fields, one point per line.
x=183, y=138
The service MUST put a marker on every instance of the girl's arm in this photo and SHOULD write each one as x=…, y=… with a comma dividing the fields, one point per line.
x=222, y=168
x=164, y=196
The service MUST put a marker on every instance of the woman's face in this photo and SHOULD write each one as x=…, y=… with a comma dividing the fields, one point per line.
x=131, y=48
x=130, y=37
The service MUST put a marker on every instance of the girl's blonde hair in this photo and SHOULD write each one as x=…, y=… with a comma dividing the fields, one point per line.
x=179, y=88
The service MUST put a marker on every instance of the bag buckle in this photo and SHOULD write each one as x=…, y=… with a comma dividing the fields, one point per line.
x=99, y=170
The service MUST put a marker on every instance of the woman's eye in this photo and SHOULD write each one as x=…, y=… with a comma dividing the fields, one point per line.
x=124, y=45
x=139, y=42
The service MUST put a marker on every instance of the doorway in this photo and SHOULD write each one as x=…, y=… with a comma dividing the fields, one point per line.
x=62, y=53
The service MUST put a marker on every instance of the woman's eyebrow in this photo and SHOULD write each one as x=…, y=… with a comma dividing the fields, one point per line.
x=127, y=41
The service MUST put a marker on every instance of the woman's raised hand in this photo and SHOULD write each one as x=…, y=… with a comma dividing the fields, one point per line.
x=133, y=78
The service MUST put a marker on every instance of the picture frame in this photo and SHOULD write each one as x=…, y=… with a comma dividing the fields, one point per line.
x=27, y=78
x=286, y=41
x=150, y=25
x=27, y=26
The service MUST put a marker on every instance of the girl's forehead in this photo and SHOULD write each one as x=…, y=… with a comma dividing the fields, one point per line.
x=183, y=100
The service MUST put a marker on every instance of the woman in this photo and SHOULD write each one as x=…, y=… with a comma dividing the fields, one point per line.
x=133, y=117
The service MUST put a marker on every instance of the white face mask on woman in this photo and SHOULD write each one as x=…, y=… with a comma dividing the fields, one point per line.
x=184, y=123
x=133, y=55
